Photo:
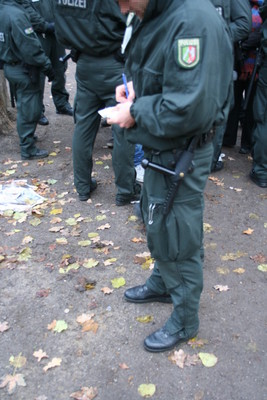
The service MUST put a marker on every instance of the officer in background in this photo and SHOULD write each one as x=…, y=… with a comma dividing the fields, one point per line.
x=182, y=85
x=237, y=15
x=94, y=31
x=41, y=14
x=258, y=173
x=24, y=60
x=246, y=55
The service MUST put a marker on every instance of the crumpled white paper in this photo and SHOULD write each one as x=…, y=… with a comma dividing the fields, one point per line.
x=17, y=195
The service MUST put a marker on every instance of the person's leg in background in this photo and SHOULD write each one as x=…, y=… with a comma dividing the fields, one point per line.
x=138, y=157
x=248, y=123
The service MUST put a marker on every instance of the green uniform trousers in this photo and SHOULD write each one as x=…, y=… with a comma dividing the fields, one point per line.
x=97, y=78
x=175, y=240
x=259, y=136
x=54, y=51
x=29, y=106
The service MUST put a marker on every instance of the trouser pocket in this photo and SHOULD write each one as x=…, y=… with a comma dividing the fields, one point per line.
x=178, y=235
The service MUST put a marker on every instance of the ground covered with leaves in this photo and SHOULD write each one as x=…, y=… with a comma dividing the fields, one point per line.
x=65, y=330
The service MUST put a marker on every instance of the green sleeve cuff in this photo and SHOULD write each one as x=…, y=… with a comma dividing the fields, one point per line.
x=132, y=111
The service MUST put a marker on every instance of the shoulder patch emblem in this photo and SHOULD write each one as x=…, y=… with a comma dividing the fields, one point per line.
x=29, y=30
x=2, y=37
x=188, y=52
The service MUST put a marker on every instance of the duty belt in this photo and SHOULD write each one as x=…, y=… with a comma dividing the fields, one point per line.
x=183, y=166
x=14, y=63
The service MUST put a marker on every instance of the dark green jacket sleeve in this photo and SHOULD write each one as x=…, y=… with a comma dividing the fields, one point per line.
x=39, y=23
x=241, y=20
x=28, y=46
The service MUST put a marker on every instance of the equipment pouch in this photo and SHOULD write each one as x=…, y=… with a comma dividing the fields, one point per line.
x=177, y=235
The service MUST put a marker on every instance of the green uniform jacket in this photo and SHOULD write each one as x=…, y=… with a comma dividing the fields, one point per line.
x=176, y=97
x=94, y=27
x=18, y=42
x=237, y=14
x=41, y=13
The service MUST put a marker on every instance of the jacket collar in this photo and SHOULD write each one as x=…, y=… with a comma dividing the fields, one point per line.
x=154, y=8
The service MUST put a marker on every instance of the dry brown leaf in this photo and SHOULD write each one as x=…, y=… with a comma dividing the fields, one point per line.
x=51, y=326
x=85, y=284
x=102, y=227
x=27, y=239
x=178, y=358
x=3, y=326
x=55, y=220
x=90, y=326
x=40, y=354
x=141, y=257
x=110, y=261
x=195, y=342
x=239, y=271
x=138, y=240
x=259, y=258
x=85, y=393
x=249, y=231
x=56, y=229
x=106, y=290
x=81, y=319
x=11, y=381
x=106, y=157
x=43, y=292
x=217, y=181
x=181, y=359
x=221, y=288
x=191, y=360
x=123, y=366
x=107, y=243
x=52, y=364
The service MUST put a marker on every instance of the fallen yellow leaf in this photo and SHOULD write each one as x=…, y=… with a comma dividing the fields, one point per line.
x=147, y=390
x=145, y=319
x=207, y=359
x=56, y=211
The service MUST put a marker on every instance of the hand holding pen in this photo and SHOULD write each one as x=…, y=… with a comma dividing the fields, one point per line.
x=125, y=92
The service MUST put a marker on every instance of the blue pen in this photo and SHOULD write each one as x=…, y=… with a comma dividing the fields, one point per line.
x=125, y=85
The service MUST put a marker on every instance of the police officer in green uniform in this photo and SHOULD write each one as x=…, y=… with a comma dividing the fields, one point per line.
x=41, y=14
x=95, y=31
x=181, y=63
x=24, y=60
x=258, y=173
x=237, y=15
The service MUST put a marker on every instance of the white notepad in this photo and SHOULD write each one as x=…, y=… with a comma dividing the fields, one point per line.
x=106, y=112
